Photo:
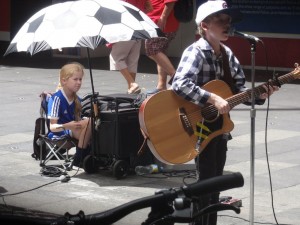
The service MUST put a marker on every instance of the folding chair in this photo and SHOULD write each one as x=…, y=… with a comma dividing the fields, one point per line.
x=46, y=149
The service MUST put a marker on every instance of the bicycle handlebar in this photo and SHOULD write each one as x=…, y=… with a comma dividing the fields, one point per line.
x=215, y=184
x=211, y=185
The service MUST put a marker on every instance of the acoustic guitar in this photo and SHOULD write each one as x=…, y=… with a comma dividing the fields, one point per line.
x=178, y=130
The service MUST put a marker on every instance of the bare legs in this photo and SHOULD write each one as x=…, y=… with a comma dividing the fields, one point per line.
x=164, y=68
x=133, y=87
x=84, y=134
x=124, y=57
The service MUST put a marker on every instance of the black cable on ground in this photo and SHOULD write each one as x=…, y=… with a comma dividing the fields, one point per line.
x=52, y=171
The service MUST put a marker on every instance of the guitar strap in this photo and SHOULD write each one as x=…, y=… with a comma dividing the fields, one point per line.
x=227, y=74
x=144, y=144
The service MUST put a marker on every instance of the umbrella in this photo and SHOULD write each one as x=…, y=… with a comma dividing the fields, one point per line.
x=83, y=23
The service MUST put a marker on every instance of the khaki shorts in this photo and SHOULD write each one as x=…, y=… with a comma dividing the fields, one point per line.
x=125, y=54
x=159, y=44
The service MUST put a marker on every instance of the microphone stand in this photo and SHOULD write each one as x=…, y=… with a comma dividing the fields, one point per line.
x=252, y=145
x=252, y=40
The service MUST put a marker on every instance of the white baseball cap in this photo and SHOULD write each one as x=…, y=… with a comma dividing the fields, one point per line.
x=214, y=7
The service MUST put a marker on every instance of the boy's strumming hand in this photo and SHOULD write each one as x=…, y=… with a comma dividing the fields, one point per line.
x=221, y=104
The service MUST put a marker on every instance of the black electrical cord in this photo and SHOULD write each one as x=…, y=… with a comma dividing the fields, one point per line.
x=266, y=136
x=21, y=192
x=186, y=174
x=267, y=157
x=52, y=171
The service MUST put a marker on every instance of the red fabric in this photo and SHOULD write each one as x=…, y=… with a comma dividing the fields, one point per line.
x=109, y=45
x=137, y=3
x=5, y=15
x=282, y=52
x=158, y=7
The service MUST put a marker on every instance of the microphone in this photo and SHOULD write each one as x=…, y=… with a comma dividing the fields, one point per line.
x=233, y=32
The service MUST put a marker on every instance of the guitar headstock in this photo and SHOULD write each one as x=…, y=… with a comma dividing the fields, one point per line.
x=296, y=72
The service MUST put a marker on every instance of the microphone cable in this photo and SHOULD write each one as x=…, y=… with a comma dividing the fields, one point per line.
x=253, y=39
x=266, y=135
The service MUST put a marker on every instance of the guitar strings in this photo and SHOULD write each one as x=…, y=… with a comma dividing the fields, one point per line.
x=239, y=98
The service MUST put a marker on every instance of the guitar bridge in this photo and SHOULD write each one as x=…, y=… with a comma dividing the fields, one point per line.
x=185, y=122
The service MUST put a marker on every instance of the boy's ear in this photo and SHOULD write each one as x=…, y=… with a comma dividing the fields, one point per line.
x=204, y=26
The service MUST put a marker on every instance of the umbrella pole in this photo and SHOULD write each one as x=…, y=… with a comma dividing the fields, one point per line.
x=94, y=108
x=93, y=100
x=90, y=68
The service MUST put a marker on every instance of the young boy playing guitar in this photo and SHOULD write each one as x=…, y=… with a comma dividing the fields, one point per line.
x=206, y=60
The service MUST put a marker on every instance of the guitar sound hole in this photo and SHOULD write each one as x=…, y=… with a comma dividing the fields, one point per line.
x=210, y=114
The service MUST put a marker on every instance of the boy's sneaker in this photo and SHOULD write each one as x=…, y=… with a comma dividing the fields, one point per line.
x=152, y=92
x=230, y=201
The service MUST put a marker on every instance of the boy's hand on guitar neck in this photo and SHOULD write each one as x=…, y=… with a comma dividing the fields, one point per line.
x=221, y=104
x=269, y=91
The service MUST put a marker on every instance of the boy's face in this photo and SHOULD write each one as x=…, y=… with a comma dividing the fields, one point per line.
x=217, y=27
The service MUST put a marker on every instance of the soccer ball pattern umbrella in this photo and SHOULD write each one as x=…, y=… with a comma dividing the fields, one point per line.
x=84, y=23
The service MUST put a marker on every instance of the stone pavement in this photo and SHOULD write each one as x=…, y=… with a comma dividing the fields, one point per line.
x=277, y=152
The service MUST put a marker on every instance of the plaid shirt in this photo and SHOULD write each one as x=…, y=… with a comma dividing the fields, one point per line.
x=199, y=65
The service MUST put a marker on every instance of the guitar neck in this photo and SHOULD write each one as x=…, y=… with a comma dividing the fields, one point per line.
x=246, y=95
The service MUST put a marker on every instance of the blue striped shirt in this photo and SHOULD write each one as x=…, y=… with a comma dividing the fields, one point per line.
x=61, y=109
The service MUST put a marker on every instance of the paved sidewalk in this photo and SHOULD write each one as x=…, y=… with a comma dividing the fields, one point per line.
x=20, y=87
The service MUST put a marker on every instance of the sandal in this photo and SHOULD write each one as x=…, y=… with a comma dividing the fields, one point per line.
x=135, y=90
